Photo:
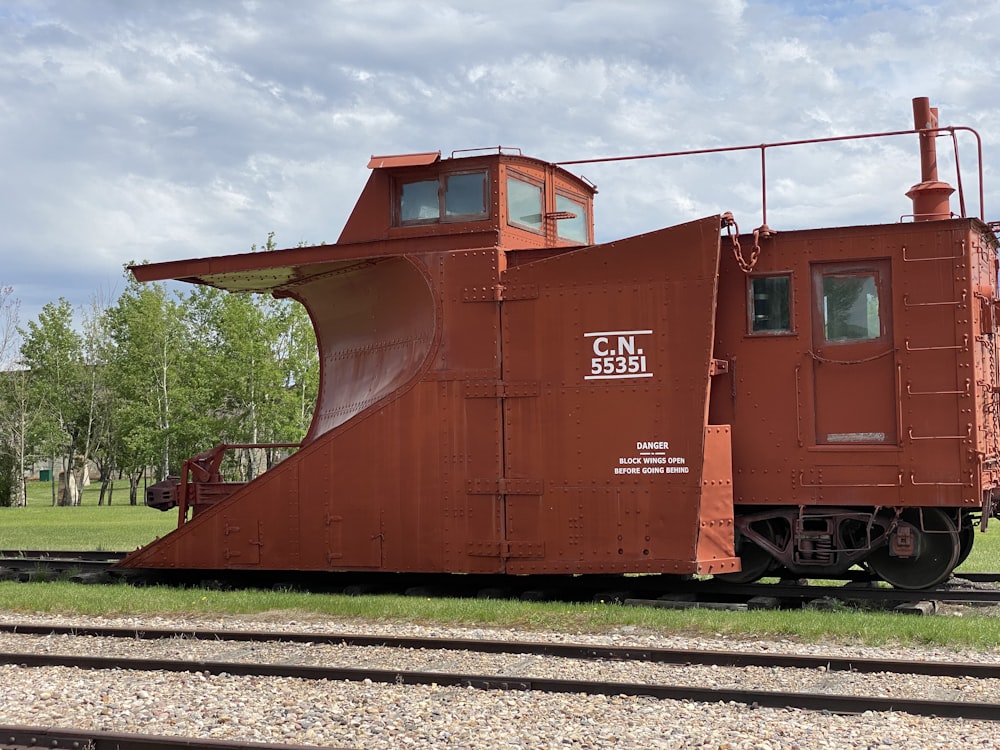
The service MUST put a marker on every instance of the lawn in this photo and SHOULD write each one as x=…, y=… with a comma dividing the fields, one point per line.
x=985, y=556
x=88, y=526
x=844, y=626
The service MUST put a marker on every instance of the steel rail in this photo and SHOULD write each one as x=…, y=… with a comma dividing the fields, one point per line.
x=47, y=554
x=841, y=704
x=29, y=568
x=16, y=736
x=98, y=556
x=685, y=657
x=641, y=591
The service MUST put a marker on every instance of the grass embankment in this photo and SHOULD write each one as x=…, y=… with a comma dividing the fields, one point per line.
x=120, y=526
x=974, y=631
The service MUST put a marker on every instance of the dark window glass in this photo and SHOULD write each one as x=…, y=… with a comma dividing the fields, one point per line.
x=418, y=201
x=850, y=307
x=465, y=194
x=770, y=304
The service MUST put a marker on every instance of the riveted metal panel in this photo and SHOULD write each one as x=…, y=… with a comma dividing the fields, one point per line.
x=619, y=338
x=500, y=389
x=907, y=421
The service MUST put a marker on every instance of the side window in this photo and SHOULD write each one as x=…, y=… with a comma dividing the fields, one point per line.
x=418, y=201
x=850, y=307
x=575, y=229
x=770, y=304
x=452, y=197
x=524, y=204
x=465, y=195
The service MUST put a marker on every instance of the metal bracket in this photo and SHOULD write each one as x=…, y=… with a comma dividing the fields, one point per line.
x=510, y=292
x=504, y=486
x=505, y=549
x=501, y=389
x=718, y=366
x=500, y=293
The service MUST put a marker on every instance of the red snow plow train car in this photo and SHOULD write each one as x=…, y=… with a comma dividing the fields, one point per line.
x=499, y=394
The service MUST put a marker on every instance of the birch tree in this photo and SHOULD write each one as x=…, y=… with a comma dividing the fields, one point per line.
x=144, y=360
x=52, y=351
x=14, y=418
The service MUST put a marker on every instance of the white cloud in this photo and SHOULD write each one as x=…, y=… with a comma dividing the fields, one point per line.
x=168, y=130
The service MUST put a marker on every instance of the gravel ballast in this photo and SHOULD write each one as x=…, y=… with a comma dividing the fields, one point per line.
x=372, y=715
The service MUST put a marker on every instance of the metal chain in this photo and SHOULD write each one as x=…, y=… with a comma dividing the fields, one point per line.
x=733, y=230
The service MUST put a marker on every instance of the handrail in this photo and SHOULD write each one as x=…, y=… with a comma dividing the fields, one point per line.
x=763, y=147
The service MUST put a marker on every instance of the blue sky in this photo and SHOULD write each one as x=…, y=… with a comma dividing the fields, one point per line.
x=164, y=130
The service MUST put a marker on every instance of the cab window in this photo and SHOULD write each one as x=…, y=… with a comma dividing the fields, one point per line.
x=452, y=197
x=524, y=204
x=465, y=195
x=418, y=201
x=850, y=307
x=770, y=304
x=575, y=229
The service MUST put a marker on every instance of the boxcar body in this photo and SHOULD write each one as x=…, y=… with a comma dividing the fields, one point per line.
x=501, y=395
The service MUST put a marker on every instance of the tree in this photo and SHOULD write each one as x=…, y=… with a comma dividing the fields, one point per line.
x=245, y=350
x=52, y=351
x=16, y=422
x=269, y=395
x=98, y=445
x=299, y=355
x=146, y=341
x=13, y=404
x=156, y=378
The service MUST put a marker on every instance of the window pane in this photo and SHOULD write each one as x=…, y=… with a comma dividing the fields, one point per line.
x=770, y=308
x=850, y=308
x=524, y=204
x=465, y=194
x=419, y=201
x=574, y=230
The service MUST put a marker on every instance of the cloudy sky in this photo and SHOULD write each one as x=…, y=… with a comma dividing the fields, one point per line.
x=168, y=129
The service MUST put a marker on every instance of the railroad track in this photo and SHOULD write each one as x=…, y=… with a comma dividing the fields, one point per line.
x=684, y=656
x=804, y=700
x=423, y=692
x=32, y=738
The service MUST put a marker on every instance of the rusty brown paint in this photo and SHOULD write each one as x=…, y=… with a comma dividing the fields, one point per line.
x=496, y=398
x=876, y=422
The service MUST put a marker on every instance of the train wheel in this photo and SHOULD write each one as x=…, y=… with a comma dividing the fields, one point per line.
x=938, y=546
x=754, y=560
x=966, y=537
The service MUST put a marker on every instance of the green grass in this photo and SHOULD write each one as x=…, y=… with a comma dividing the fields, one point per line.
x=87, y=526
x=985, y=557
x=123, y=527
x=805, y=625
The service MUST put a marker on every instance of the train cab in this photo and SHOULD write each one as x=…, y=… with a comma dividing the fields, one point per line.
x=527, y=203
